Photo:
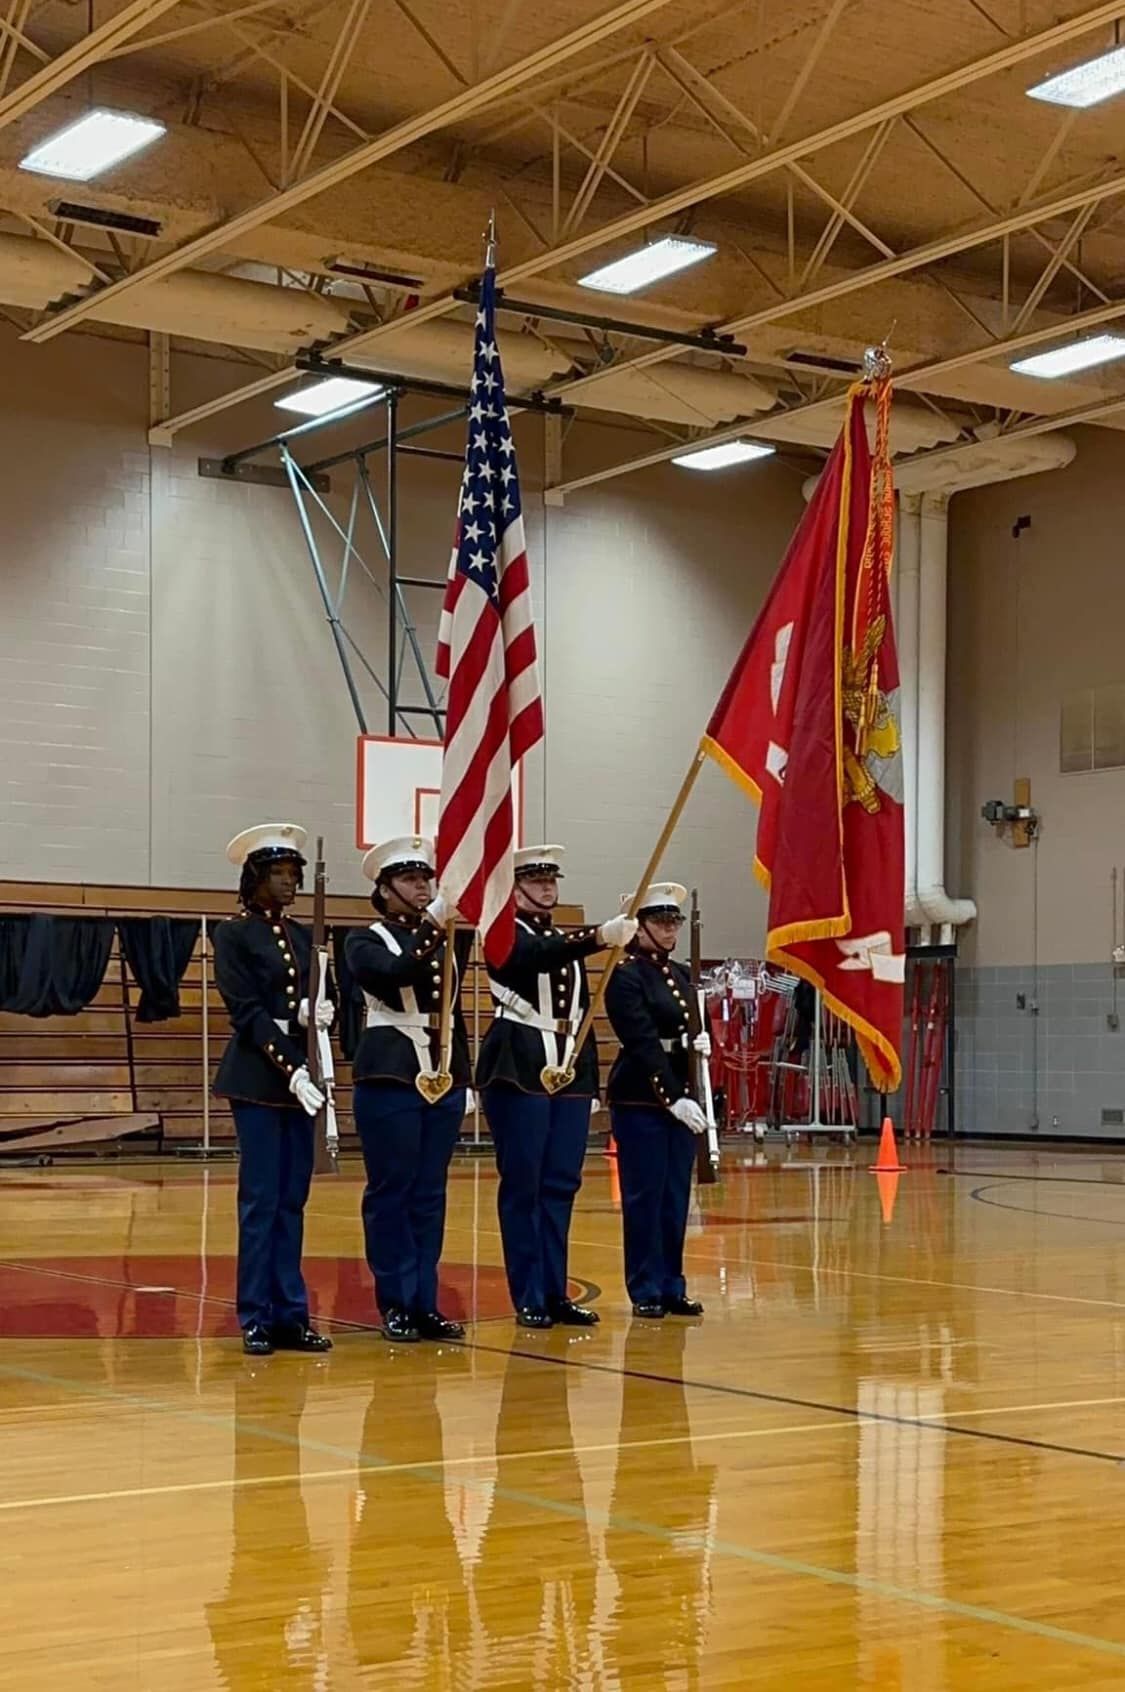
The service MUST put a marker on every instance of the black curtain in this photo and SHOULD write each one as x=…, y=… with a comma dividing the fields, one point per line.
x=349, y=997
x=158, y=951
x=52, y=965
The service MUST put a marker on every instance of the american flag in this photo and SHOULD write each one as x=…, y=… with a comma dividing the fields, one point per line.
x=486, y=651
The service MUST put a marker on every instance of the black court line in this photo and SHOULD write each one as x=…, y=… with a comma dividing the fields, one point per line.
x=723, y=1388
x=978, y=1193
x=1059, y=1180
x=850, y=1411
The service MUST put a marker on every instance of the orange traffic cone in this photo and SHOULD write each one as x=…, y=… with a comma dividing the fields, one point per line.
x=888, y=1188
x=887, y=1162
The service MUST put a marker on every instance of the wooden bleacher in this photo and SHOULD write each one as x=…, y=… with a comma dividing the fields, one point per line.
x=102, y=1063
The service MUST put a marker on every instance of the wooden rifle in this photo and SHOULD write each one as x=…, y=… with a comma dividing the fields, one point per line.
x=321, y=1067
x=699, y=1069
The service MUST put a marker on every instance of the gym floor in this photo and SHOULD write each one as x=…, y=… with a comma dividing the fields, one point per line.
x=889, y=1457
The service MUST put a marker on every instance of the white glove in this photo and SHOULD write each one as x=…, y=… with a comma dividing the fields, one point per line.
x=325, y=1013
x=439, y=910
x=702, y=1044
x=470, y=1101
x=306, y=1092
x=689, y=1113
x=618, y=931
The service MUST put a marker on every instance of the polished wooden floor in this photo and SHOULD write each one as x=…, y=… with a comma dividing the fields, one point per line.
x=889, y=1458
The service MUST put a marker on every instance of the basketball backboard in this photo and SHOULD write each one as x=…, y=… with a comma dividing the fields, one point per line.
x=398, y=789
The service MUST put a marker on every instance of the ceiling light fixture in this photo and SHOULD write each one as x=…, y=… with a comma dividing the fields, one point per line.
x=1079, y=355
x=92, y=144
x=1086, y=84
x=647, y=265
x=726, y=453
x=334, y=393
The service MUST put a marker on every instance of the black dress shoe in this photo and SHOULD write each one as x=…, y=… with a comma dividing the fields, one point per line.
x=298, y=1336
x=256, y=1340
x=399, y=1325
x=533, y=1319
x=683, y=1307
x=573, y=1315
x=432, y=1325
x=651, y=1311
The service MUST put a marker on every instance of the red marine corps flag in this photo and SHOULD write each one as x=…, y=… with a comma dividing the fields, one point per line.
x=808, y=724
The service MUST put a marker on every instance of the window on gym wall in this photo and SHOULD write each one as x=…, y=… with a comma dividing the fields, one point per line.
x=1092, y=729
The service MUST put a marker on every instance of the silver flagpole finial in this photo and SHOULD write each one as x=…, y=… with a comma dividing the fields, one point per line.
x=877, y=361
x=490, y=242
x=877, y=364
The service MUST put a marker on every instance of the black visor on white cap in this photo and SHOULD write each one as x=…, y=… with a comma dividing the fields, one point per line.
x=275, y=855
x=538, y=860
x=404, y=866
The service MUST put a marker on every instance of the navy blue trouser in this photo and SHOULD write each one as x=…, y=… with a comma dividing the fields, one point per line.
x=407, y=1145
x=655, y=1158
x=540, y=1146
x=275, y=1165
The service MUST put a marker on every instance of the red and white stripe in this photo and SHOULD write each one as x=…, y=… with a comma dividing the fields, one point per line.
x=494, y=715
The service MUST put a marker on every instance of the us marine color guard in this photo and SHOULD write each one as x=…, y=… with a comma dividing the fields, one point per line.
x=407, y=1140
x=408, y=1126
x=540, y=995
x=262, y=972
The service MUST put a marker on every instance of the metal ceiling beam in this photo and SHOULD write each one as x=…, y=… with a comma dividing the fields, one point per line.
x=848, y=198
x=680, y=199
x=1004, y=58
x=703, y=340
x=461, y=105
x=1051, y=269
x=610, y=141
x=92, y=48
x=15, y=38
x=918, y=376
x=251, y=9
x=333, y=75
x=1092, y=412
x=703, y=95
x=931, y=252
x=827, y=24
x=990, y=206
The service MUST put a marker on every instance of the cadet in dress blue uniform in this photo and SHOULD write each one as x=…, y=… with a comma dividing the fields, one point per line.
x=540, y=1138
x=262, y=972
x=648, y=1002
x=407, y=1141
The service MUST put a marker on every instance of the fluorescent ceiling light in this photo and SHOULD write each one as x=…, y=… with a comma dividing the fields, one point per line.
x=1079, y=355
x=1086, y=84
x=91, y=144
x=332, y=394
x=647, y=265
x=727, y=452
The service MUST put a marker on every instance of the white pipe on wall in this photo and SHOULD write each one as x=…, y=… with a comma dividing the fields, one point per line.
x=906, y=633
x=933, y=559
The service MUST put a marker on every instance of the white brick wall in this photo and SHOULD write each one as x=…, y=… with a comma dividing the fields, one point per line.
x=167, y=675
x=74, y=632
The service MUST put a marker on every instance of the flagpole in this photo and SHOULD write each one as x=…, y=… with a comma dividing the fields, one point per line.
x=555, y=1078
x=435, y=1086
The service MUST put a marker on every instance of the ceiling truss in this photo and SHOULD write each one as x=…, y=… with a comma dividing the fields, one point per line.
x=593, y=106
